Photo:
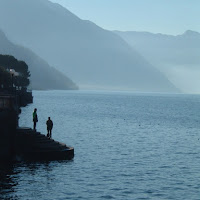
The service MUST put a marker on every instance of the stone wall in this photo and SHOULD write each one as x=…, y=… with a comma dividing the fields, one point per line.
x=7, y=134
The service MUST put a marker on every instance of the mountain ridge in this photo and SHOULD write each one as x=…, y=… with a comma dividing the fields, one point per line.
x=176, y=56
x=85, y=52
x=38, y=67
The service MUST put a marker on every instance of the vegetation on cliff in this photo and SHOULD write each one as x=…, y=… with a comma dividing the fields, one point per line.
x=9, y=65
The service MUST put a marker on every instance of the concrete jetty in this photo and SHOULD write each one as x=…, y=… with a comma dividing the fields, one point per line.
x=18, y=143
x=31, y=145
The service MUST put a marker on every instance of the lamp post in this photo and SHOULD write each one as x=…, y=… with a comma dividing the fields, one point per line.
x=12, y=71
x=13, y=74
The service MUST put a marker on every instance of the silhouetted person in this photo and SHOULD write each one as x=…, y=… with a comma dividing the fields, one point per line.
x=49, y=124
x=35, y=119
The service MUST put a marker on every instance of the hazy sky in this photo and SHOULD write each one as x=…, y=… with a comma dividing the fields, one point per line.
x=157, y=16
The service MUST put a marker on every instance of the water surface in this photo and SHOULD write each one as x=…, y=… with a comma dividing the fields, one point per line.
x=127, y=146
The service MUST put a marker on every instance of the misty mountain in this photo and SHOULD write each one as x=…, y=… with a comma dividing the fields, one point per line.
x=90, y=55
x=176, y=56
x=42, y=75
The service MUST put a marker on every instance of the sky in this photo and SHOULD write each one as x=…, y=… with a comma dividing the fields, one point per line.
x=172, y=17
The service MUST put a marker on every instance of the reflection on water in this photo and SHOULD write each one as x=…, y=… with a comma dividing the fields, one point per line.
x=127, y=146
x=15, y=178
x=7, y=181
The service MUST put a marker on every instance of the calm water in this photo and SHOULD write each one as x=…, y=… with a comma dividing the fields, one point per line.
x=127, y=146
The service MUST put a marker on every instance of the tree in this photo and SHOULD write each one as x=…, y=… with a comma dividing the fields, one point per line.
x=8, y=62
x=5, y=78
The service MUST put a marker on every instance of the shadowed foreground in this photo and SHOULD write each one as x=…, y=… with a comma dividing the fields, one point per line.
x=32, y=145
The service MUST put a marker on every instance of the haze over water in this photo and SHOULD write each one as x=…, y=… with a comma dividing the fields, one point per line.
x=127, y=146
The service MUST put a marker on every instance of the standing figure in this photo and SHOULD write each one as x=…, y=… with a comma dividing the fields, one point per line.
x=49, y=124
x=35, y=119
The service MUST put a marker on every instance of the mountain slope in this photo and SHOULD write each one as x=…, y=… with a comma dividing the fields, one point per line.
x=90, y=55
x=176, y=56
x=42, y=75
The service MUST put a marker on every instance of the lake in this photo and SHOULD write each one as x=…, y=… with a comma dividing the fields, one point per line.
x=127, y=146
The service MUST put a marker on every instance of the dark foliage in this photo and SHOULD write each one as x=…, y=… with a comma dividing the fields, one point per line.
x=8, y=62
x=5, y=78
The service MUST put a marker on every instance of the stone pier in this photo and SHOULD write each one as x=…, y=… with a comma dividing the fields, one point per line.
x=31, y=145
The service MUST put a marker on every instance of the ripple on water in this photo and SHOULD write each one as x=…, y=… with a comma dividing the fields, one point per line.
x=127, y=146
